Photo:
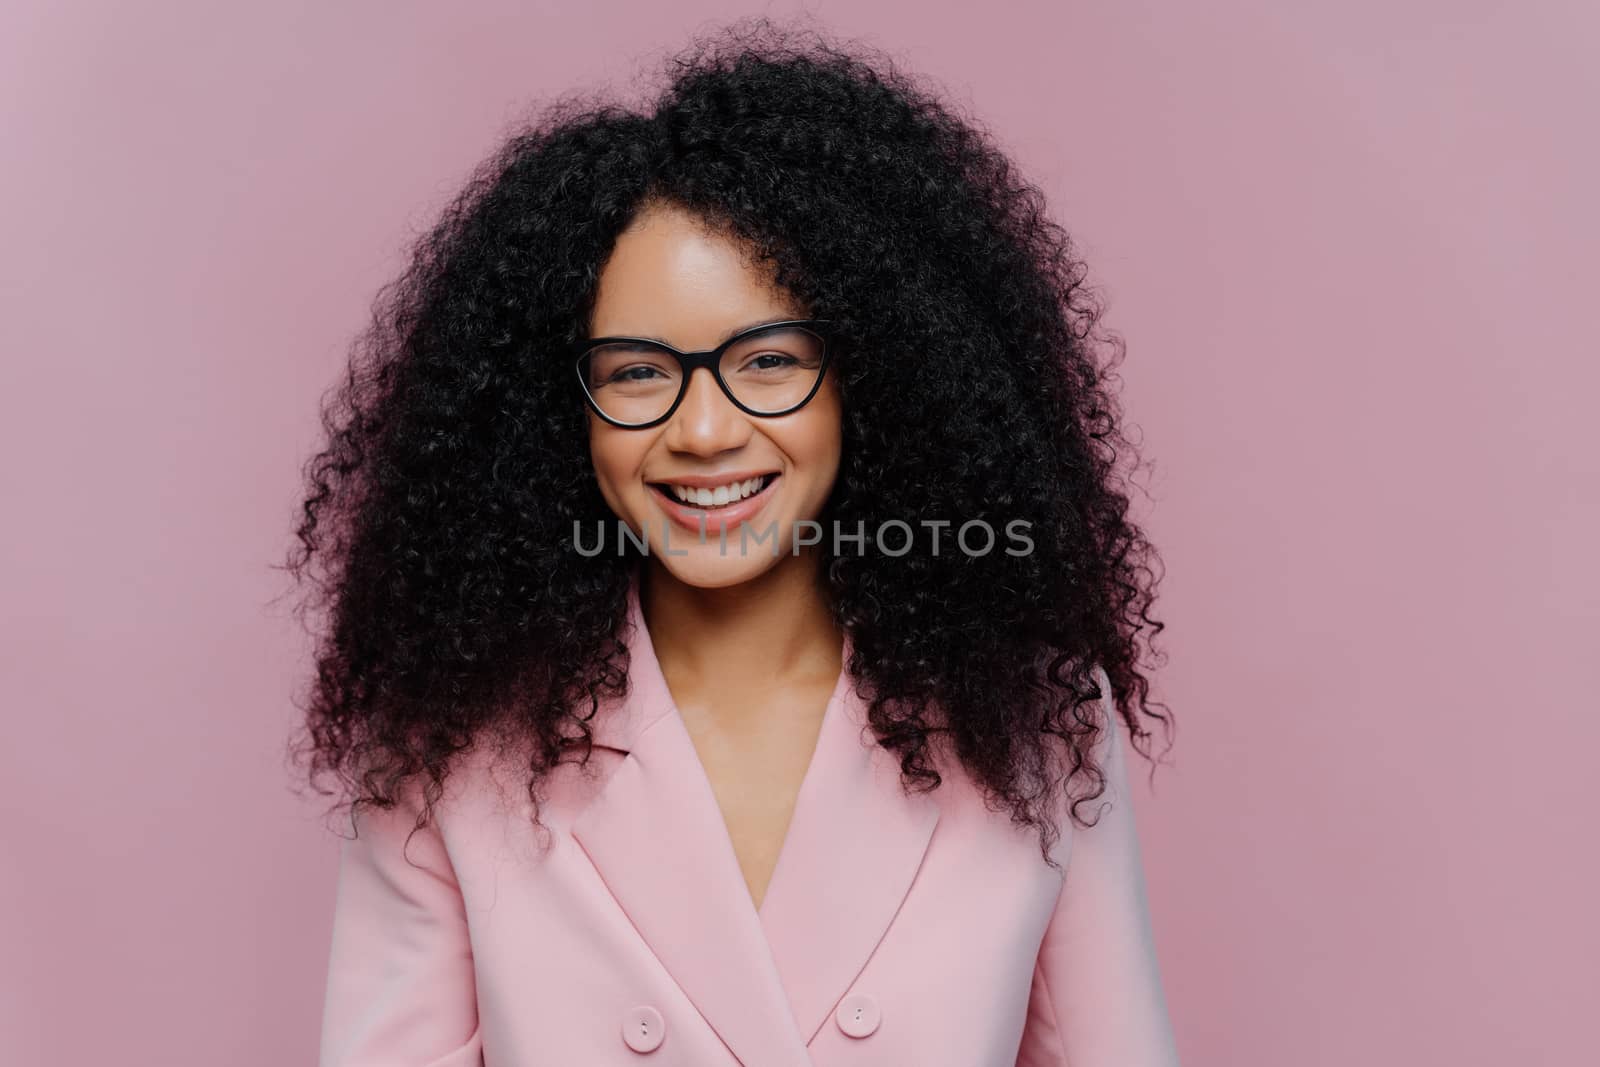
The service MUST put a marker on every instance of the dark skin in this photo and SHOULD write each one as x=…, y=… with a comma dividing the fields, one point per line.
x=745, y=640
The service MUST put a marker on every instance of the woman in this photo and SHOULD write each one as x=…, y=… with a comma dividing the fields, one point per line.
x=728, y=587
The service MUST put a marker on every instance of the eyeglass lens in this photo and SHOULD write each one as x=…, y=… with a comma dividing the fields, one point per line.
x=768, y=372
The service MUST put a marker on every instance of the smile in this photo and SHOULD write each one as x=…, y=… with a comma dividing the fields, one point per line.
x=710, y=509
x=719, y=496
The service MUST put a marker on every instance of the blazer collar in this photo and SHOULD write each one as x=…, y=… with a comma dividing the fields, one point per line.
x=765, y=981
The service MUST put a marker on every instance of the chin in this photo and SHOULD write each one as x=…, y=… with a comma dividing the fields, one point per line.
x=706, y=568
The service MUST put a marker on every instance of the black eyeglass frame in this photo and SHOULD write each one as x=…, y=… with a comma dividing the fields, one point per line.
x=710, y=359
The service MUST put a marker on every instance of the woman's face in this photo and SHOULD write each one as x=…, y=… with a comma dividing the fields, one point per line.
x=670, y=277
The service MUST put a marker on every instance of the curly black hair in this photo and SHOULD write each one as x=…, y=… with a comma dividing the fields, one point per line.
x=974, y=383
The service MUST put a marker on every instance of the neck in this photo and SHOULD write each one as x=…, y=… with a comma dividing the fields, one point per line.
x=774, y=629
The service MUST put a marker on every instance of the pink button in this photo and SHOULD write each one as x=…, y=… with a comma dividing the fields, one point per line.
x=858, y=1015
x=643, y=1029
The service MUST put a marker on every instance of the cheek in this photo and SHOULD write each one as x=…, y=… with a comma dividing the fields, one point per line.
x=614, y=458
x=831, y=430
x=818, y=444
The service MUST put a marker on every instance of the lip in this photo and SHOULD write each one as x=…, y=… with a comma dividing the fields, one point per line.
x=711, y=481
x=715, y=520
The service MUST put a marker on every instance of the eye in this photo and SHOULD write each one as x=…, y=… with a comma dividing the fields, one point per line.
x=639, y=372
x=769, y=361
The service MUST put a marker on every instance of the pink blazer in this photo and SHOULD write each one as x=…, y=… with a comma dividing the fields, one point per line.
x=896, y=931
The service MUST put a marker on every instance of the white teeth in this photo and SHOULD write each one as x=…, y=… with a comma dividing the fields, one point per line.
x=722, y=494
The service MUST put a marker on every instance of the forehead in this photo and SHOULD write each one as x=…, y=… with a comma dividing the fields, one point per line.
x=674, y=277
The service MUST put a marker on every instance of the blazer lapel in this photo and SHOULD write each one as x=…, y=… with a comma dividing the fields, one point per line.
x=854, y=845
x=765, y=982
x=659, y=842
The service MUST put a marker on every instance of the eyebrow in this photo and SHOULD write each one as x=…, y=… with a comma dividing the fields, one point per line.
x=736, y=331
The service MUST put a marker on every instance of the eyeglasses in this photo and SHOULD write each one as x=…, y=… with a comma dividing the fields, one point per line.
x=767, y=370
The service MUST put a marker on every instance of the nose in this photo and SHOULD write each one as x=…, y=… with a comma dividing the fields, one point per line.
x=706, y=422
